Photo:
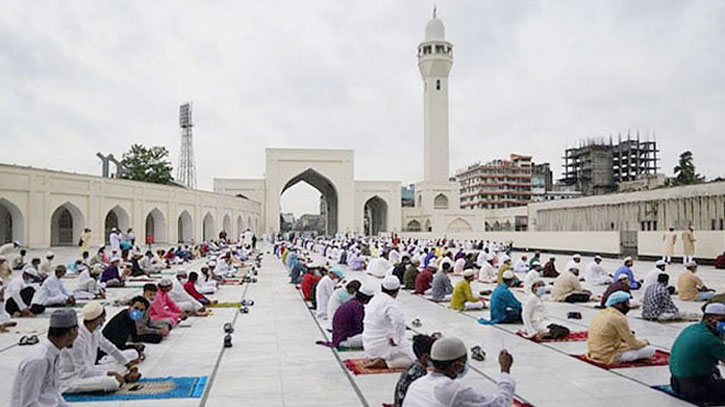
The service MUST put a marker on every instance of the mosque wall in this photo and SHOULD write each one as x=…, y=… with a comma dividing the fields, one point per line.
x=44, y=207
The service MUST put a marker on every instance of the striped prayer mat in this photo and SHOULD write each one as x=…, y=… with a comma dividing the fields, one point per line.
x=148, y=389
x=660, y=358
x=580, y=336
x=357, y=366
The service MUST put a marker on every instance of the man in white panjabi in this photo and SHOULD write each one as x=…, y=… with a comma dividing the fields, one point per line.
x=487, y=274
x=46, y=265
x=78, y=370
x=379, y=267
x=384, y=329
x=115, y=241
x=442, y=386
x=183, y=299
x=324, y=290
x=595, y=274
x=668, y=245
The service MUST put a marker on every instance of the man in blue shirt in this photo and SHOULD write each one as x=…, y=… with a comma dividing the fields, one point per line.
x=626, y=269
x=505, y=308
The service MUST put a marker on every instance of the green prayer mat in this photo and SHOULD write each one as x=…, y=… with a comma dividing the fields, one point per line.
x=225, y=305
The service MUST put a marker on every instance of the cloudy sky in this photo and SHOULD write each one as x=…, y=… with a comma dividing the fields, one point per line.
x=80, y=77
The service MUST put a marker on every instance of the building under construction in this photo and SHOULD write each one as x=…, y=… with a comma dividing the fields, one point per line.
x=596, y=167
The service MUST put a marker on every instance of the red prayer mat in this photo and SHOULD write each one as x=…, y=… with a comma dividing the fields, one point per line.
x=572, y=337
x=660, y=358
x=232, y=281
x=357, y=367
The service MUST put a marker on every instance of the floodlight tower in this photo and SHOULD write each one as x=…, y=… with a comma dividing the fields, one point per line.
x=186, y=173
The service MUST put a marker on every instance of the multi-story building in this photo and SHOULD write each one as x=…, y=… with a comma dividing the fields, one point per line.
x=497, y=184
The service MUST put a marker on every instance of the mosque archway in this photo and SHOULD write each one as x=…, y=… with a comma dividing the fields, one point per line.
x=11, y=222
x=413, y=226
x=375, y=213
x=185, y=227
x=428, y=227
x=118, y=218
x=459, y=225
x=208, y=227
x=155, y=226
x=227, y=226
x=240, y=226
x=66, y=225
x=249, y=223
x=329, y=202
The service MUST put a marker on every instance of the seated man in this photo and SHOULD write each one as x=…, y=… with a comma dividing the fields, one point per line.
x=440, y=387
x=149, y=264
x=46, y=266
x=182, y=298
x=610, y=338
x=626, y=269
x=20, y=295
x=5, y=321
x=719, y=261
x=340, y=296
x=356, y=261
x=379, y=267
x=421, y=347
x=487, y=274
x=595, y=274
x=190, y=287
x=658, y=305
x=147, y=331
x=19, y=261
x=87, y=285
x=424, y=279
x=121, y=329
x=505, y=308
x=111, y=277
x=324, y=289
x=36, y=383
x=505, y=266
x=163, y=308
x=550, y=268
x=309, y=280
x=691, y=287
x=695, y=356
x=399, y=269
x=463, y=298
x=536, y=325
x=77, y=366
x=411, y=273
x=52, y=292
x=347, y=322
x=34, y=270
x=384, y=329
x=5, y=270
x=136, y=269
x=442, y=287
x=532, y=276
x=522, y=265
x=622, y=284
x=567, y=287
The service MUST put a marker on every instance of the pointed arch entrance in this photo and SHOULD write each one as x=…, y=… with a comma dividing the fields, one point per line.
x=185, y=227
x=118, y=218
x=156, y=226
x=208, y=227
x=329, y=197
x=66, y=225
x=11, y=222
x=376, y=216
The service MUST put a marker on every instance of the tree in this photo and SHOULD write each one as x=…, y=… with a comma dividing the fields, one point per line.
x=685, y=173
x=147, y=164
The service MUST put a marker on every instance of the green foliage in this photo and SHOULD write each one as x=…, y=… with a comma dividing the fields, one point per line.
x=685, y=173
x=147, y=164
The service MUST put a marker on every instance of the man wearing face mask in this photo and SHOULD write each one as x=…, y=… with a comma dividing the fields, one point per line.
x=610, y=338
x=536, y=325
x=440, y=388
x=78, y=370
x=695, y=356
x=121, y=329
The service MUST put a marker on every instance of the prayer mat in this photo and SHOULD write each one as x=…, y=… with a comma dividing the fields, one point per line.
x=232, y=281
x=668, y=389
x=660, y=358
x=148, y=389
x=143, y=280
x=357, y=366
x=517, y=403
x=684, y=318
x=572, y=337
x=345, y=349
x=225, y=305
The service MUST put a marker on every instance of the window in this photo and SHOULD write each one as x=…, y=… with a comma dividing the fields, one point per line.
x=438, y=84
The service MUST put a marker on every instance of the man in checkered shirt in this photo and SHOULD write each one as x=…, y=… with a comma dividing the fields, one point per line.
x=657, y=302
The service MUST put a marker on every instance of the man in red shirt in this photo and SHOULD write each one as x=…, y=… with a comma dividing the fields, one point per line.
x=424, y=279
x=308, y=282
x=190, y=288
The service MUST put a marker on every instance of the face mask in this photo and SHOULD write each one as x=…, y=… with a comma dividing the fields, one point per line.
x=135, y=314
x=463, y=371
x=624, y=310
x=540, y=291
x=343, y=295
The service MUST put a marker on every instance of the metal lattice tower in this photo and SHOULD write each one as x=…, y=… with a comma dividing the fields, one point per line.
x=186, y=173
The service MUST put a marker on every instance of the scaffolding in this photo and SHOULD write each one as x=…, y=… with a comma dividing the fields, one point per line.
x=597, y=166
x=186, y=173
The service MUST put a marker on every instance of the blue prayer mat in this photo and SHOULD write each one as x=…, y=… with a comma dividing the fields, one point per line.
x=149, y=389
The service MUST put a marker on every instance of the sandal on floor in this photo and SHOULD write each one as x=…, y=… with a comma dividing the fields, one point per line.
x=228, y=328
x=23, y=341
x=244, y=310
x=478, y=354
x=32, y=340
x=227, y=341
x=416, y=323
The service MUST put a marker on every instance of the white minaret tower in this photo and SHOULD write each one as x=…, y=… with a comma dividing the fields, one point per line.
x=435, y=58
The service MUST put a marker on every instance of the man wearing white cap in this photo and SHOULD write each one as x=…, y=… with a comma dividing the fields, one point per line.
x=181, y=297
x=610, y=339
x=652, y=275
x=532, y=276
x=46, y=266
x=36, y=382
x=462, y=298
x=384, y=329
x=78, y=370
x=52, y=292
x=440, y=388
x=575, y=261
x=657, y=303
x=595, y=274
x=487, y=274
x=341, y=295
x=691, y=287
x=379, y=267
x=626, y=268
x=695, y=356
x=347, y=322
x=7, y=248
x=20, y=293
x=114, y=239
x=567, y=287
x=505, y=265
x=324, y=290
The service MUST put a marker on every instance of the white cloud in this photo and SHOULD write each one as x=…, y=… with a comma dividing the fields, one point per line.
x=529, y=77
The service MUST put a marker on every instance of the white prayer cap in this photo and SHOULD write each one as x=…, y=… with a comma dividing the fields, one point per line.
x=622, y=277
x=92, y=310
x=2, y=257
x=17, y=243
x=508, y=275
x=63, y=318
x=715, y=308
x=690, y=264
x=469, y=273
x=597, y=257
x=447, y=349
x=367, y=290
x=505, y=258
x=49, y=253
x=115, y=259
x=536, y=263
x=628, y=258
x=165, y=282
x=31, y=270
x=211, y=263
x=489, y=257
x=577, y=256
x=572, y=266
x=390, y=283
x=660, y=263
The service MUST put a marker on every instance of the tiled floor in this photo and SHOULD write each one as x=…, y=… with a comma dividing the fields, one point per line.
x=274, y=361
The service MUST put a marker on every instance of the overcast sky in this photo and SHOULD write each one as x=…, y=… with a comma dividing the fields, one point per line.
x=78, y=77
